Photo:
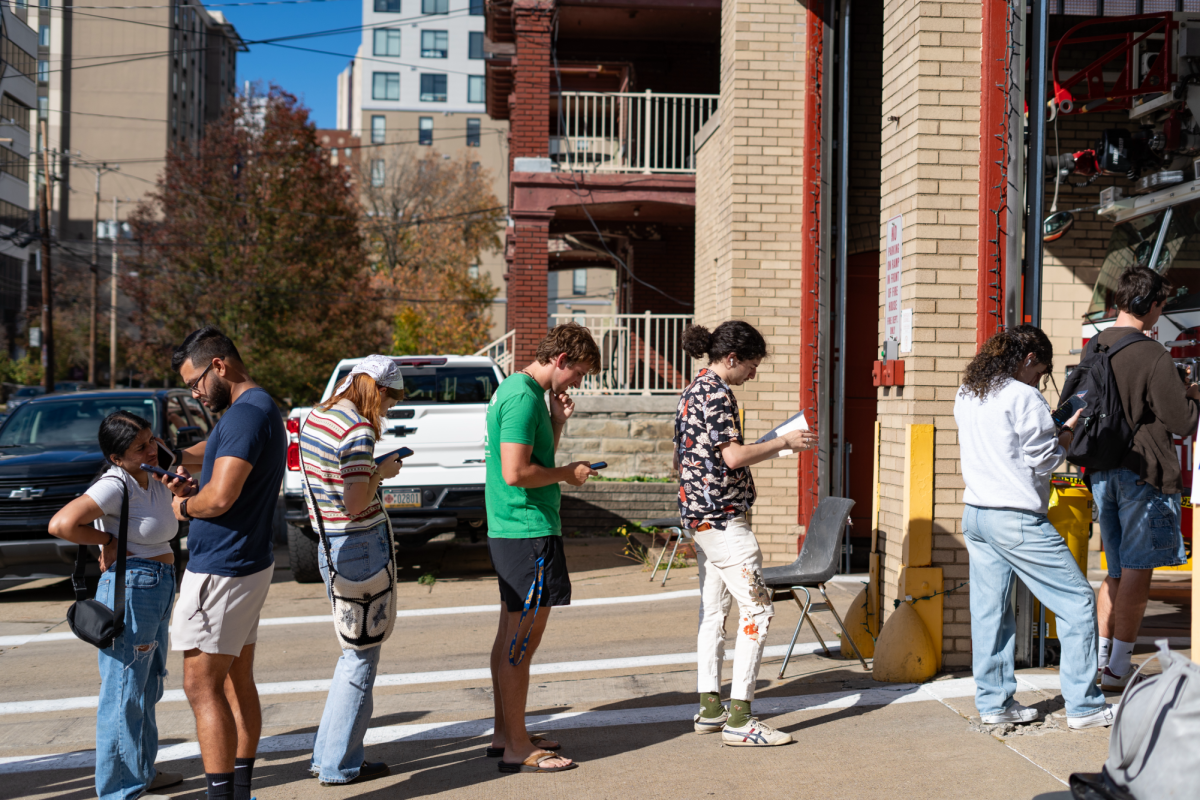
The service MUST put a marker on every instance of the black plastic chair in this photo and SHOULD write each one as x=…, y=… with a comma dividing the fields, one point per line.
x=816, y=564
x=674, y=531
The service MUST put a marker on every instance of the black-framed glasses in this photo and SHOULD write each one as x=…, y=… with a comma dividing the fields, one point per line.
x=193, y=384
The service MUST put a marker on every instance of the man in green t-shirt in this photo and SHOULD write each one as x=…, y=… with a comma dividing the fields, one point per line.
x=524, y=531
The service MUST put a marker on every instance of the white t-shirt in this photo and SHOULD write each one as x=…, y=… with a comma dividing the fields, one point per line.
x=152, y=522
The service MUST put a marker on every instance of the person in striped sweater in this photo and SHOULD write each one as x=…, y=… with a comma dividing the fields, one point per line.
x=337, y=454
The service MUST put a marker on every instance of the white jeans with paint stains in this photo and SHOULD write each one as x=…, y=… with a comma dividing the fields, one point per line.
x=731, y=568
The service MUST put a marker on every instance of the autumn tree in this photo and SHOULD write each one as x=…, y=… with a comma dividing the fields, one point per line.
x=258, y=233
x=428, y=219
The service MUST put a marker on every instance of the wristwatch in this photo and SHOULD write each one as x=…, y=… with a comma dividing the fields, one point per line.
x=183, y=509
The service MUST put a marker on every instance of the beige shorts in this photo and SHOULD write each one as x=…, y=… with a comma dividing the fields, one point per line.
x=215, y=614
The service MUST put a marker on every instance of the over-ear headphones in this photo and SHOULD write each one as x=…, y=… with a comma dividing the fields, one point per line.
x=1140, y=306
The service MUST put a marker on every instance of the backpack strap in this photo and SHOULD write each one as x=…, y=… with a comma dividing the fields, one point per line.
x=1125, y=341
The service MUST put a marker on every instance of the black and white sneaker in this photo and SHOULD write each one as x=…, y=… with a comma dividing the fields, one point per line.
x=754, y=733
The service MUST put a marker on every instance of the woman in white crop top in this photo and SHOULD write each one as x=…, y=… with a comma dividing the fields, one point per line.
x=132, y=669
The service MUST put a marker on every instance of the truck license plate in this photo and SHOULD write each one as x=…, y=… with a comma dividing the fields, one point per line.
x=394, y=499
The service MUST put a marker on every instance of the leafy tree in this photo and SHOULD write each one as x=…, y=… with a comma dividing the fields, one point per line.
x=428, y=219
x=258, y=233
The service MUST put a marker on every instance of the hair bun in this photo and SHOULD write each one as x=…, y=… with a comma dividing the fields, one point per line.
x=697, y=341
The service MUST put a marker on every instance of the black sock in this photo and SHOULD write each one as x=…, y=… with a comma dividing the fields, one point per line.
x=243, y=771
x=220, y=785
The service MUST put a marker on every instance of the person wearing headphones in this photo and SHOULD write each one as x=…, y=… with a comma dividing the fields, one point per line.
x=1138, y=503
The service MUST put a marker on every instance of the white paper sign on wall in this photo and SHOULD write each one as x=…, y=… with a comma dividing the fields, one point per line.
x=906, y=323
x=894, y=238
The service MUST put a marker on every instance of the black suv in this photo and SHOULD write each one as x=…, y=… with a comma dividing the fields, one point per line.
x=50, y=454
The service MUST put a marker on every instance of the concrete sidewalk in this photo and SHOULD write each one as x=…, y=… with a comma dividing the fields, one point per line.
x=628, y=725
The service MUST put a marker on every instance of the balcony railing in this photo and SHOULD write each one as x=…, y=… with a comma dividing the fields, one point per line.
x=629, y=132
x=639, y=353
x=501, y=351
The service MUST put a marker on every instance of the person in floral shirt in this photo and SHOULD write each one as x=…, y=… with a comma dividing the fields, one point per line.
x=716, y=490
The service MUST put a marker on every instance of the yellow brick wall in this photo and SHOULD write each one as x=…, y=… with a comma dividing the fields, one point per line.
x=749, y=227
x=929, y=166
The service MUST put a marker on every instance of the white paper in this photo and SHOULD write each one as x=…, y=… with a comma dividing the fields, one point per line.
x=906, y=323
x=795, y=423
x=894, y=236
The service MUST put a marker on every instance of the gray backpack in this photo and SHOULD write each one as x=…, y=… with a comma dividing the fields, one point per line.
x=1152, y=751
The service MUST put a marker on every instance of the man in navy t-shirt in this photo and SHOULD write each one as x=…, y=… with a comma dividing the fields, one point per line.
x=230, y=560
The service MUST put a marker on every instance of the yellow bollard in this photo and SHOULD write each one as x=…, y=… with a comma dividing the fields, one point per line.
x=904, y=652
x=1071, y=515
x=856, y=625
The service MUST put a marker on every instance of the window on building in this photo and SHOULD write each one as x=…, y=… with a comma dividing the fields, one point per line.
x=22, y=4
x=579, y=281
x=435, y=44
x=425, y=131
x=387, y=6
x=387, y=42
x=43, y=3
x=433, y=88
x=12, y=215
x=43, y=108
x=435, y=6
x=378, y=172
x=378, y=129
x=24, y=63
x=476, y=8
x=475, y=49
x=475, y=89
x=14, y=164
x=43, y=36
x=473, y=133
x=386, y=86
x=473, y=271
x=14, y=111
x=43, y=71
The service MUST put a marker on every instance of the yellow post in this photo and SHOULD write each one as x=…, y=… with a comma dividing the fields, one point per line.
x=1195, y=588
x=922, y=582
x=1071, y=515
x=918, y=496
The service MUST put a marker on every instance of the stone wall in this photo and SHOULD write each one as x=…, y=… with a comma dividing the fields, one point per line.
x=633, y=433
x=597, y=507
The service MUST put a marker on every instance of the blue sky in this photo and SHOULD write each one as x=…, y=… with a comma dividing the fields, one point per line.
x=310, y=76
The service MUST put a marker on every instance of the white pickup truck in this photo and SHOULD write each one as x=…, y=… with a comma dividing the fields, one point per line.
x=442, y=419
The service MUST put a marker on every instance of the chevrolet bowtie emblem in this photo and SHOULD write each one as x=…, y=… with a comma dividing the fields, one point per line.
x=26, y=493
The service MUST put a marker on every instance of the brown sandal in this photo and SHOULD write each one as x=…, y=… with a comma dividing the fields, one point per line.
x=536, y=766
x=535, y=739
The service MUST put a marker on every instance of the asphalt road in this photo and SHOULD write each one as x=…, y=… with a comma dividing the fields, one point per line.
x=614, y=679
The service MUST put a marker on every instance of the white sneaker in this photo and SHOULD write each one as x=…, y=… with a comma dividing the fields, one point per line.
x=754, y=734
x=1115, y=683
x=1015, y=713
x=1103, y=718
x=710, y=724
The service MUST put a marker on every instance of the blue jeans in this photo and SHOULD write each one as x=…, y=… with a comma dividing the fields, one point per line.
x=1004, y=543
x=1138, y=523
x=338, y=753
x=131, y=679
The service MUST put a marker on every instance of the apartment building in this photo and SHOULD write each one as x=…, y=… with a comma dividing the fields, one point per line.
x=123, y=86
x=416, y=85
x=18, y=97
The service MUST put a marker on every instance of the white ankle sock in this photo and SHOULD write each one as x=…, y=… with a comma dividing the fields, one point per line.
x=1118, y=661
x=1102, y=654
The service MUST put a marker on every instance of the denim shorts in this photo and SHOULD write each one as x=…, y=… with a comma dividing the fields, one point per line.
x=1138, y=523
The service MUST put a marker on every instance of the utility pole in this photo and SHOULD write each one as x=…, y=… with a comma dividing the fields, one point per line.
x=112, y=313
x=47, y=297
x=99, y=169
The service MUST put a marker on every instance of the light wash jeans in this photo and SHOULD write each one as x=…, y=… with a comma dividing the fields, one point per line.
x=131, y=679
x=339, y=753
x=731, y=568
x=1004, y=543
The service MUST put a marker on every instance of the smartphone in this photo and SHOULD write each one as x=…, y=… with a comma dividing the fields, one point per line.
x=598, y=465
x=163, y=473
x=402, y=454
x=1068, y=409
x=166, y=459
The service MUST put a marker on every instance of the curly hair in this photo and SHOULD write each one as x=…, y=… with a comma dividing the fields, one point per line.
x=574, y=340
x=1001, y=356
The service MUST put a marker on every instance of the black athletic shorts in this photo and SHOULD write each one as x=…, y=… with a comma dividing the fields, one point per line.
x=515, y=562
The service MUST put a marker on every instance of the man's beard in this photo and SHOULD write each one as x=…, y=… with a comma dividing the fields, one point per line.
x=220, y=395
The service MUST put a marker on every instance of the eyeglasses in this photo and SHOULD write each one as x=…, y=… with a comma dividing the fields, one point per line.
x=193, y=384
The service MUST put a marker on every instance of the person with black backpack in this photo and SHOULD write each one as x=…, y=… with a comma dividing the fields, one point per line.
x=1008, y=447
x=1131, y=461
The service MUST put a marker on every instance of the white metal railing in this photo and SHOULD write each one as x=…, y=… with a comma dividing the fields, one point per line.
x=639, y=353
x=629, y=132
x=501, y=351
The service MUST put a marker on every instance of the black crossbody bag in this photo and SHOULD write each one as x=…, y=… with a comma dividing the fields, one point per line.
x=91, y=620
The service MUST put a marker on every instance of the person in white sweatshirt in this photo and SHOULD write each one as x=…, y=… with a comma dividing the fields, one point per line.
x=1009, y=445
